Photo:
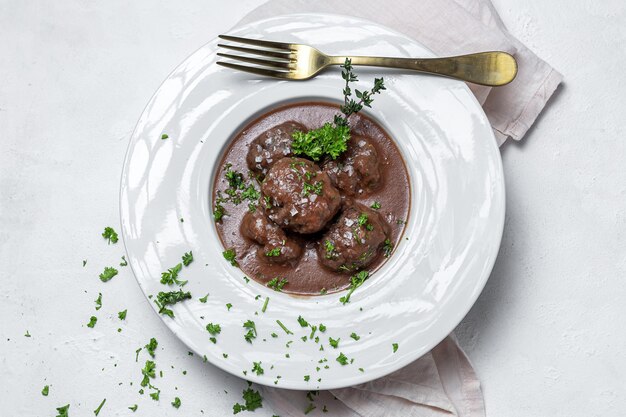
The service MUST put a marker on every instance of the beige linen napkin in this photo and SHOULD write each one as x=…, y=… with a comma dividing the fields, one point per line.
x=442, y=382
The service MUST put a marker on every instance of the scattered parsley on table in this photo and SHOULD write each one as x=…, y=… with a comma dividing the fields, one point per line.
x=108, y=273
x=45, y=390
x=122, y=314
x=92, y=321
x=110, y=235
x=230, y=256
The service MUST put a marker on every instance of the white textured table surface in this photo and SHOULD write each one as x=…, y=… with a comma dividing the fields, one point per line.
x=546, y=336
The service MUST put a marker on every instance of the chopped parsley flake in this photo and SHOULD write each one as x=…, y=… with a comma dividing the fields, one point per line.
x=97, y=410
x=252, y=399
x=84, y=262
x=355, y=336
x=228, y=306
x=124, y=261
x=387, y=248
x=203, y=299
x=27, y=334
x=187, y=258
x=395, y=347
x=375, y=205
x=334, y=342
x=164, y=136
x=322, y=328
x=155, y=395
x=171, y=276
x=218, y=212
x=257, y=368
x=148, y=372
x=213, y=329
x=274, y=252
x=45, y=390
x=133, y=408
x=151, y=346
x=176, y=403
x=99, y=301
x=229, y=255
x=277, y=285
x=330, y=249
x=355, y=282
x=92, y=321
x=342, y=359
x=251, y=334
x=307, y=378
x=282, y=326
x=302, y=321
x=63, y=411
x=110, y=235
x=108, y=273
x=170, y=298
x=267, y=300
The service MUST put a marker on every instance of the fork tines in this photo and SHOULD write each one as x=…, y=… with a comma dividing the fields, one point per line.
x=277, y=57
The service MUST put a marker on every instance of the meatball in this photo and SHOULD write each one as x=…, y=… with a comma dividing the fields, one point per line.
x=356, y=171
x=299, y=196
x=276, y=246
x=270, y=146
x=354, y=240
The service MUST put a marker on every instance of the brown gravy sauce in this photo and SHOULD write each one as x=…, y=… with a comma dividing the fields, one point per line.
x=309, y=277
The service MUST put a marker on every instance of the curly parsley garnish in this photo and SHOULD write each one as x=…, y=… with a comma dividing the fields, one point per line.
x=45, y=390
x=110, y=235
x=274, y=252
x=108, y=273
x=387, y=248
x=99, y=301
x=122, y=314
x=152, y=346
x=133, y=407
x=342, y=359
x=171, y=276
x=214, y=330
x=302, y=321
x=176, y=403
x=395, y=347
x=63, y=411
x=334, y=342
x=375, y=205
x=257, y=368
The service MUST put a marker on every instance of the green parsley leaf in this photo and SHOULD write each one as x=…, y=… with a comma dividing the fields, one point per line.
x=302, y=321
x=342, y=359
x=230, y=256
x=155, y=395
x=387, y=248
x=97, y=410
x=110, y=235
x=45, y=390
x=218, y=212
x=171, y=276
x=27, y=334
x=187, y=258
x=108, y=273
x=170, y=298
x=213, y=329
x=251, y=334
x=355, y=282
x=267, y=300
x=148, y=371
x=252, y=399
x=99, y=301
x=355, y=336
x=92, y=321
x=307, y=378
x=228, y=306
x=322, y=328
x=375, y=205
x=152, y=346
x=257, y=368
x=124, y=261
x=395, y=347
x=164, y=136
x=63, y=411
x=133, y=408
x=122, y=314
x=334, y=342
x=277, y=285
x=203, y=299
x=176, y=403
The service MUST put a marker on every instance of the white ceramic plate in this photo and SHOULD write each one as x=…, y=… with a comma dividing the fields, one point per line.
x=414, y=300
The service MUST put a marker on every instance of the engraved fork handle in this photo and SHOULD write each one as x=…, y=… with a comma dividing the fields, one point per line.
x=484, y=68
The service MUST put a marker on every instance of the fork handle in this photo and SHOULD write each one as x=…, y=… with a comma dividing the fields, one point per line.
x=484, y=68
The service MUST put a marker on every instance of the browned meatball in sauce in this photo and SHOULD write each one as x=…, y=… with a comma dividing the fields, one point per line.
x=299, y=196
x=276, y=246
x=270, y=146
x=354, y=240
x=356, y=172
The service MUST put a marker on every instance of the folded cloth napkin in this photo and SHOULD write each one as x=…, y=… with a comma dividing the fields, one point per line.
x=442, y=382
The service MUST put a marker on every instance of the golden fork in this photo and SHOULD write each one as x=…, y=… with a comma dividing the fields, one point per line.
x=295, y=61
